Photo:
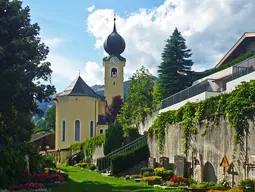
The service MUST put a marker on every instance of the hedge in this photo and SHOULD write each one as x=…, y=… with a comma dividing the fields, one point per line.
x=128, y=159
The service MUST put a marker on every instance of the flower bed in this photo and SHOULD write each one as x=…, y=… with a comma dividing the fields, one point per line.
x=27, y=186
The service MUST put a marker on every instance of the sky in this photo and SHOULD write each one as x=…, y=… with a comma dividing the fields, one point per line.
x=75, y=32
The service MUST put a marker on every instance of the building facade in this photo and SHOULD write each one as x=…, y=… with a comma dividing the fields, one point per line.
x=80, y=111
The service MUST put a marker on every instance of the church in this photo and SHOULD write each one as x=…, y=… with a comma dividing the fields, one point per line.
x=80, y=111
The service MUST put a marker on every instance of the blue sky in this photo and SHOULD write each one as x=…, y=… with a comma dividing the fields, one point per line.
x=75, y=35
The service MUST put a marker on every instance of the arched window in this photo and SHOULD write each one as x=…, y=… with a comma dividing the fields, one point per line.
x=77, y=130
x=91, y=128
x=63, y=130
x=114, y=72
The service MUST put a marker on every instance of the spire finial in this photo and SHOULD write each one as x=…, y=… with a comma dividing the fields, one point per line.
x=79, y=73
x=114, y=26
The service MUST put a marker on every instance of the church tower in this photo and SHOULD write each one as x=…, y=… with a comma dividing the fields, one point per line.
x=114, y=65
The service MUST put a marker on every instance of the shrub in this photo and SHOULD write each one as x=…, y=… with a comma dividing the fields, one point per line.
x=211, y=185
x=28, y=186
x=127, y=160
x=146, y=169
x=92, y=167
x=179, y=179
x=47, y=162
x=147, y=174
x=165, y=174
x=152, y=179
x=247, y=183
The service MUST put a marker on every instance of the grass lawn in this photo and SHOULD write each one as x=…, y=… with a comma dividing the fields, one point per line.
x=82, y=180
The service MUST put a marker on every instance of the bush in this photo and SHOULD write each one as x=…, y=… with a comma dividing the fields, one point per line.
x=92, y=167
x=147, y=174
x=247, y=183
x=47, y=162
x=152, y=180
x=165, y=174
x=146, y=169
x=127, y=160
x=12, y=162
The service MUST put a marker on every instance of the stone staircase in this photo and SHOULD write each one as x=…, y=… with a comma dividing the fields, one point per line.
x=105, y=164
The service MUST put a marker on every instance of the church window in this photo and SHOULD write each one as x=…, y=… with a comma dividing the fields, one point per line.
x=91, y=128
x=77, y=130
x=113, y=83
x=101, y=131
x=114, y=72
x=63, y=130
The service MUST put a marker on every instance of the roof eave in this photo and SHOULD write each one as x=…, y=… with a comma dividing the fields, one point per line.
x=245, y=35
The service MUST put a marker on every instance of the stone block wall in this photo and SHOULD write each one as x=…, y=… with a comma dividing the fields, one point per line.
x=206, y=152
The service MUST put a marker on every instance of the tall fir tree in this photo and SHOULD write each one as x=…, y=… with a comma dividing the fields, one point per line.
x=175, y=57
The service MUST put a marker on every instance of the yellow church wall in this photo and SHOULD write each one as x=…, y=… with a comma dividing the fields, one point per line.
x=101, y=107
x=101, y=127
x=113, y=85
x=69, y=109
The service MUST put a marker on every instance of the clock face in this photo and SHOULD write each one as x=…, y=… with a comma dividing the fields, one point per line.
x=114, y=60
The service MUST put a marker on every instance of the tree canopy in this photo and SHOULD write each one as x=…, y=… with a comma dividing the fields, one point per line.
x=139, y=100
x=175, y=57
x=114, y=109
x=47, y=124
x=22, y=70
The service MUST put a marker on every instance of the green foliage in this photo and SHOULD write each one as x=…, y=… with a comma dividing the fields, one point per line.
x=22, y=68
x=12, y=162
x=92, y=167
x=207, y=185
x=157, y=96
x=152, y=180
x=139, y=100
x=233, y=62
x=47, y=162
x=247, y=183
x=165, y=174
x=113, y=137
x=175, y=57
x=126, y=160
x=89, y=145
x=146, y=169
x=236, y=106
x=47, y=124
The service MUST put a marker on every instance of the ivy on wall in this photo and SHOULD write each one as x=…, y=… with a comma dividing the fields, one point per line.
x=89, y=146
x=237, y=106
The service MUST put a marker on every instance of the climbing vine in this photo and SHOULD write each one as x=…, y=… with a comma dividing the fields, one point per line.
x=237, y=106
x=89, y=146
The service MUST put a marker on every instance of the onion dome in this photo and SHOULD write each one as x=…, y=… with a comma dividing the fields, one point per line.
x=114, y=44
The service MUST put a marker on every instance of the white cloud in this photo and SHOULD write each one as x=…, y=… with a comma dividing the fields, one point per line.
x=91, y=8
x=65, y=70
x=53, y=41
x=211, y=27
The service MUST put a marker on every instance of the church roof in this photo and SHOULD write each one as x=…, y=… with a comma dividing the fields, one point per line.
x=79, y=88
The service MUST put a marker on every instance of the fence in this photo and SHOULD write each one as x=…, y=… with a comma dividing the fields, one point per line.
x=240, y=69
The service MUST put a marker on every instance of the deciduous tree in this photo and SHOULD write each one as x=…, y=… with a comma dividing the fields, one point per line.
x=139, y=99
x=113, y=110
x=22, y=68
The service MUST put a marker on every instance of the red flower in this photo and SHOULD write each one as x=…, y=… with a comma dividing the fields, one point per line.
x=178, y=179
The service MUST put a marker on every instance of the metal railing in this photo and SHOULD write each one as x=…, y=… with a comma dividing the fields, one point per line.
x=240, y=69
x=105, y=162
x=192, y=91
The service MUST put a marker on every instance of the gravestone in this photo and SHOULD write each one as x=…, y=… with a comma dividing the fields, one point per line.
x=180, y=166
x=152, y=162
x=164, y=162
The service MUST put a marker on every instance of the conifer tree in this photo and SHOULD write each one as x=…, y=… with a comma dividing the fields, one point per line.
x=175, y=57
